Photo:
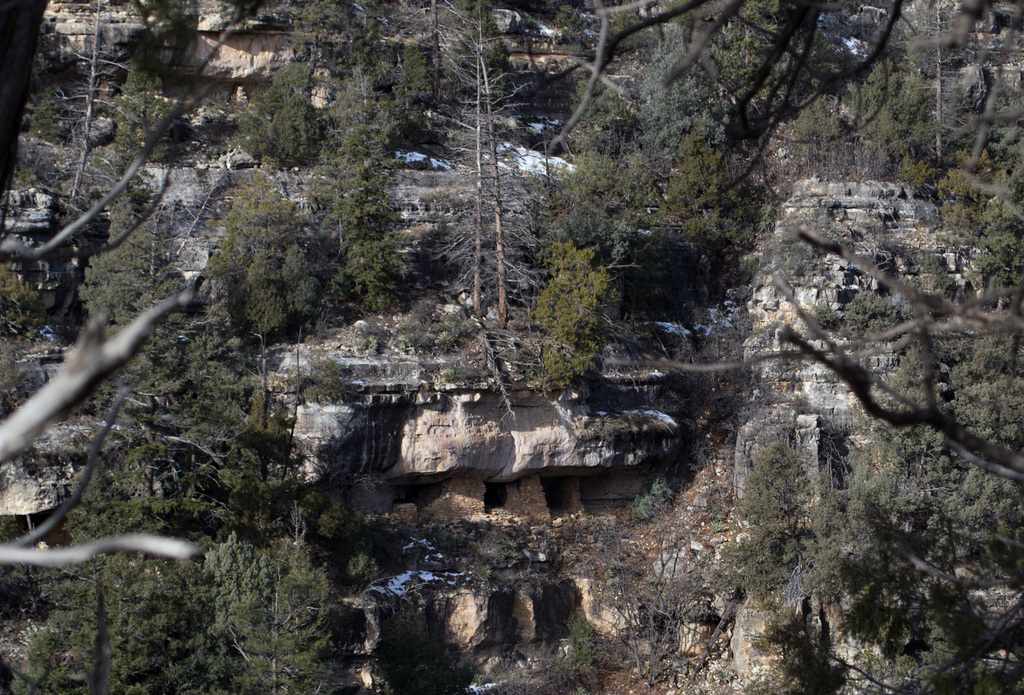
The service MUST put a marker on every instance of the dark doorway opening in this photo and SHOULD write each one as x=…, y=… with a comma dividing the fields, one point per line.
x=495, y=495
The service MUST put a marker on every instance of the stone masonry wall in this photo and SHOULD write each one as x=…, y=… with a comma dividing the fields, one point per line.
x=461, y=498
x=526, y=498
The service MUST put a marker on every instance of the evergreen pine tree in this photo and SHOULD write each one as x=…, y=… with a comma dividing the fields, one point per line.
x=571, y=311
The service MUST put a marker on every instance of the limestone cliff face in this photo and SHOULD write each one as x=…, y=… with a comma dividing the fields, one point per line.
x=32, y=220
x=877, y=219
x=43, y=476
x=256, y=48
x=399, y=421
x=411, y=437
x=801, y=403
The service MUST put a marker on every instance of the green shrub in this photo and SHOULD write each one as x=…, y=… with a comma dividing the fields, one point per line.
x=352, y=188
x=446, y=342
x=824, y=316
x=508, y=548
x=710, y=210
x=748, y=269
x=450, y=541
x=934, y=276
x=915, y=172
x=414, y=335
x=894, y=113
x=280, y=124
x=21, y=308
x=362, y=568
x=583, y=652
x=668, y=113
x=331, y=518
x=45, y=122
x=367, y=344
x=571, y=311
x=818, y=140
x=571, y=23
x=9, y=528
x=646, y=506
x=962, y=201
x=448, y=375
x=774, y=504
x=871, y=312
x=325, y=382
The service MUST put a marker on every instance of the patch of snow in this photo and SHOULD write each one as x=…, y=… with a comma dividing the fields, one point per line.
x=48, y=333
x=533, y=162
x=546, y=31
x=654, y=415
x=654, y=373
x=410, y=157
x=672, y=328
x=855, y=46
x=644, y=232
x=418, y=541
x=416, y=157
x=541, y=123
x=399, y=585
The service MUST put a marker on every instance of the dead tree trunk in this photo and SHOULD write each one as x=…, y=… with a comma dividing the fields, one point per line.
x=499, y=237
x=938, y=87
x=90, y=104
x=479, y=221
x=435, y=55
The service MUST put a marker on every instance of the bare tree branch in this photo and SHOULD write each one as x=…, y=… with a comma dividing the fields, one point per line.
x=52, y=521
x=95, y=358
x=159, y=546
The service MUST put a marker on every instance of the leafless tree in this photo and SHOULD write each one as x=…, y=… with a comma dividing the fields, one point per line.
x=100, y=70
x=652, y=591
x=483, y=109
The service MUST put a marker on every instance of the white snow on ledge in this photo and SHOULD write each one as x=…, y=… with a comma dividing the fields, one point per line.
x=532, y=162
x=512, y=157
x=672, y=328
x=654, y=415
x=398, y=586
x=414, y=157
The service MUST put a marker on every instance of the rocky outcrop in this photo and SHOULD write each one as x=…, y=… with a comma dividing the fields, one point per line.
x=399, y=421
x=410, y=436
x=245, y=57
x=508, y=617
x=254, y=51
x=801, y=403
x=32, y=219
x=750, y=623
x=43, y=476
x=68, y=29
